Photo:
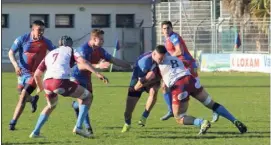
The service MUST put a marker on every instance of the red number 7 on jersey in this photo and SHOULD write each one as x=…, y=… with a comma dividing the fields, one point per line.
x=55, y=57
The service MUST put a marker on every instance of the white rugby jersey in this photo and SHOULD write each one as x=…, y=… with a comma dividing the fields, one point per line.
x=172, y=69
x=58, y=63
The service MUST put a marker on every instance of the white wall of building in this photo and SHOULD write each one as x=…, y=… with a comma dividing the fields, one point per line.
x=19, y=21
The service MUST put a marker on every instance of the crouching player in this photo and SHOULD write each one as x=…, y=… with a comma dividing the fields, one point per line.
x=58, y=64
x=182, y=84
x=143, y=65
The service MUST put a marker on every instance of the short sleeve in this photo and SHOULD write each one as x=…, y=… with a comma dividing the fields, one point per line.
x=175, y=39
x=17, y=44
x=50, y=45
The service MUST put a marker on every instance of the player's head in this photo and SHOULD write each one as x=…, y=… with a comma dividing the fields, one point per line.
x=159, y=53
x=97, y=37
x=65, y=41
x=167, y=28
x=37, y=29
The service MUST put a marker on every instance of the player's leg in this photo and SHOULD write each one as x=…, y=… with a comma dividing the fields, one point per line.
x=44, y=115
x=75, y=106
x=168, y=100
x=84, y=98
x=206, y=100
x=26, y=87
x=180, y=96
x=194, y=72
x=131, y=101
x=149, y=104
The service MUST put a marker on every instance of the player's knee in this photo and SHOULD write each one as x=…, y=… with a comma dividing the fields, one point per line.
x=86, y=95
x=29, y=89
x=52, y=105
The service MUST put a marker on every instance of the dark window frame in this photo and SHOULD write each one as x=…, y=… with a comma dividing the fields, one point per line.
x=107, y=25
x=71, y=21
x=6, y=20
x=129, y=25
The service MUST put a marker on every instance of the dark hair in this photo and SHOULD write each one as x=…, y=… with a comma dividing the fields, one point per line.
x=167, y=23
x=38, y=23
x=97, y=32
x=161, y=49
x=65, y=41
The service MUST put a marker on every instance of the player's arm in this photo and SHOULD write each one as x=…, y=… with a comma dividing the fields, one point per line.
x=11, y=54
x=145, y=81
x=115, y=61
x=179, y=50
x=38, y=74
x=121, y=63
x=85, y=65
x=149, y=79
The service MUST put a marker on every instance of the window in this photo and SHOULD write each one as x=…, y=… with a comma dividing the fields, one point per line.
x=42, y=17
x=100, y=20
x=64, y=21
x=4, y=20
x=125, y=20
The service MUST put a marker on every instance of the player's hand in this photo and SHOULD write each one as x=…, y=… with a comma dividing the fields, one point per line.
x=103, y=64
x=18, y=70
x=39, y=90
x=103, y=78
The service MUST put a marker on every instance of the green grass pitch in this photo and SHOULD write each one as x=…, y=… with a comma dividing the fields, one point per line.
x=246, y=95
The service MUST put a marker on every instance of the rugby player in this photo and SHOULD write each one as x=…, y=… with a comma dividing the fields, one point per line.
x=32, y=48
x=58, y=64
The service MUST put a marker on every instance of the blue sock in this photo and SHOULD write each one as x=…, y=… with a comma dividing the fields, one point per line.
x=168, y=99
x=146, y=114
x=87, y=122
x=198, y=122
x=83, y=110
x=13, y=122
x=75, y=106
x=42, y=119
x=221, y=110
x=128, y=121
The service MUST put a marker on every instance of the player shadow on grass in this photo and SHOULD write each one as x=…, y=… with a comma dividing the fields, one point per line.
x=205, y=136
x=40, y=142
x=206, y=86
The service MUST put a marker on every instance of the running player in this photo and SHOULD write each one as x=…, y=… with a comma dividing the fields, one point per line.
x=176, y=46
x=58, y=65
x=143, y=65
x=93, y=52
x=182, y=84
x=32, y=48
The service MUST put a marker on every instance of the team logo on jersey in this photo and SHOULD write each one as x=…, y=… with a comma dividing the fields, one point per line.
x=182, y=95
x=174, y=40
x=16, y=41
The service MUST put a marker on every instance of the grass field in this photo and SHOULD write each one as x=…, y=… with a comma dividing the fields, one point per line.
x=246, y=95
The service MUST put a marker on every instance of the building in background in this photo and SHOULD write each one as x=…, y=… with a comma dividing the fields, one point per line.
x=127, y=20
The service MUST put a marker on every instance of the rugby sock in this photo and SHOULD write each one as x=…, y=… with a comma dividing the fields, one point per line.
x=128, y=121
x=42, y=119
x=13, y=122
x=146, y=114
x=221, y=110
x=168, y=99
x=87, y=122
x=75, y=106
x=83, y=111
x=198, y=122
